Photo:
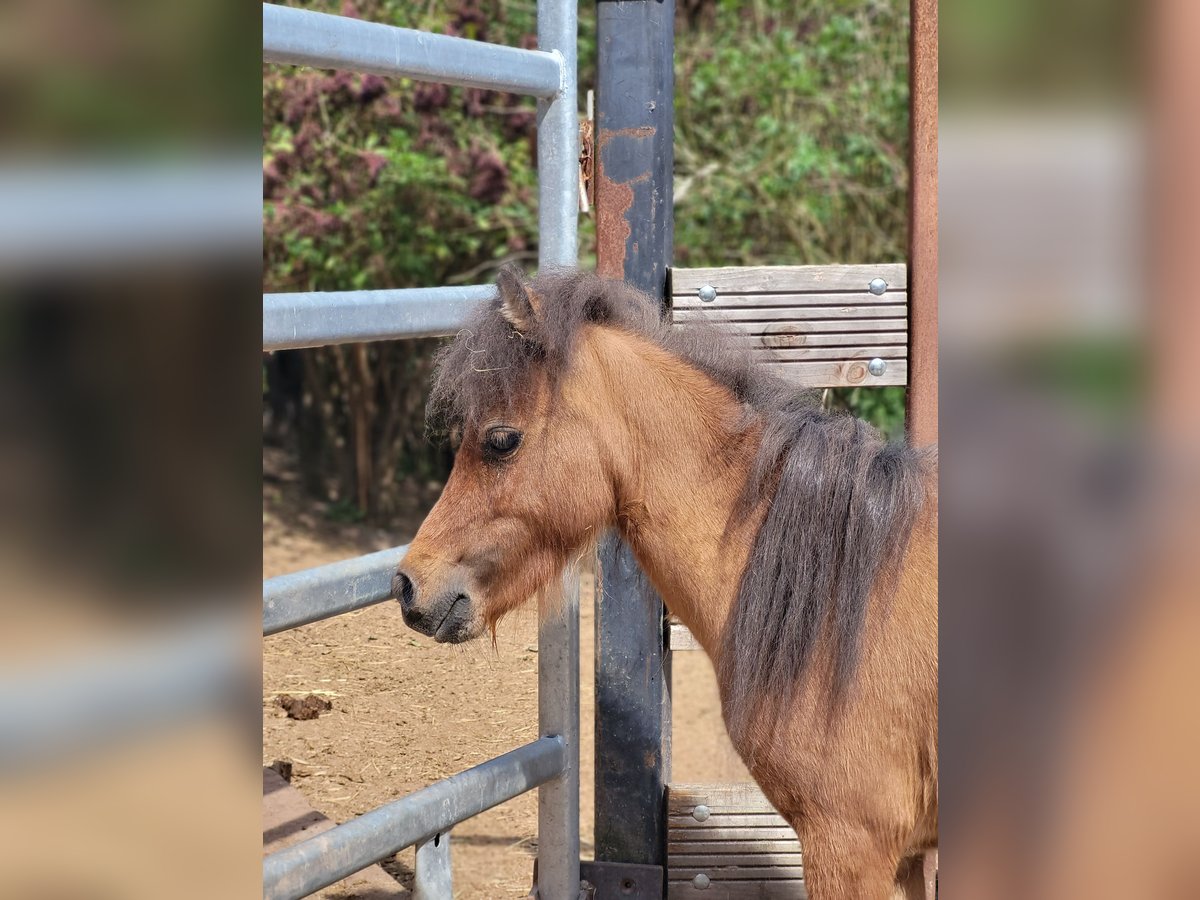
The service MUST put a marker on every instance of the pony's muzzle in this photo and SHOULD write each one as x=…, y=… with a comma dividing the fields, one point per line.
x=446, y=618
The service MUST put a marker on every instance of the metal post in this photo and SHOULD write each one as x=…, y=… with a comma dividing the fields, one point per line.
x=433, y=879
x=558, y=716
x=558, y=141
x=634, y=233
x=558, y=635
x=922, y=411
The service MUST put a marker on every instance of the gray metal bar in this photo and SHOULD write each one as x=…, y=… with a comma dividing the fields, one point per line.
x=109, y=215
x=122, y=692
x=558, y=141
x=433, y=879
x=305, y=38
x=321, y=860
x=558, y=714
x=558, y=636
x=314, y=594
x=339, y=317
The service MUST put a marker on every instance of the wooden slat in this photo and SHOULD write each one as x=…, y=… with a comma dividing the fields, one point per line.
x=738, y=890
x=682, y=639
x=840, y=374
x=809, y=278
x=738, y=873
x=732, y=797
x=714, y=833
x=750, y=858
x=787, y=299
x=722, y=818
x=829, y=354
x=758, y=320
x=792, y=334
x=886, y=307
x=725, y=847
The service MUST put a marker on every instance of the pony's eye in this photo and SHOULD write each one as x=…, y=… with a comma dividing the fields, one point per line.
x=501, y=441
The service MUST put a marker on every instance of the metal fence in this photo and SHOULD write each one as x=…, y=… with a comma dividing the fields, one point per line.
x=551, y=763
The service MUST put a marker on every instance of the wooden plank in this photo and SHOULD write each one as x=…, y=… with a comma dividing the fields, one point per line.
x=737, y=873
x=736, y=796
x=713, y=833
x=765, y=278
x=793, y=334
x=724, y=818
x=726, y=847
x=828, y=354
x=787, y=298
x=840, y=374
x=792, y=313
x=739, y=890
x=750, y=858
x=755, y=319
x=682, y=639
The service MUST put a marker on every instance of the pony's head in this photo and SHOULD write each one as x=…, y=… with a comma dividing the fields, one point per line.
x=530, y=488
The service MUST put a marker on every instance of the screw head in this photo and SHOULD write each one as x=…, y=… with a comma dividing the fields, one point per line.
x=877, y=286
x=700, y=813
x=700, y=882
x=707, y=293
x=877, y=366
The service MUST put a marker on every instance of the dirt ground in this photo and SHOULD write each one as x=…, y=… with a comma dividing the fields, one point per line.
x=407, y=711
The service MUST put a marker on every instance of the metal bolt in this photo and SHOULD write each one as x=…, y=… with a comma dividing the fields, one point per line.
x=708, y=293
x=700, y=813
x=700, y=882
x=877, y=286
x=877, y=366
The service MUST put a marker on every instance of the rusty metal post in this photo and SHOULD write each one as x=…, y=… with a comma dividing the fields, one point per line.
x=922, y=409
x=634, y=232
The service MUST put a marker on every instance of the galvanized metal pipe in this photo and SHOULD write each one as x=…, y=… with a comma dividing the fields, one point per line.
x=558, y=636
x=305, y=38
x=432, y=876
x=314, y=594
x=339, y=317
x=558, y=141
x=177, y=676
x=558, y=714
x=321, y=860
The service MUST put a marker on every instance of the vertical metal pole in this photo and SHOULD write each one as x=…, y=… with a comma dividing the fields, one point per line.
x=558, y=141
x=558, y=715
x=432, y=879
x=922, y=411
x=558, y=635
x=634, y=234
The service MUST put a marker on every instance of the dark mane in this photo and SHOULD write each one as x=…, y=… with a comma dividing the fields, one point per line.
x=842, y=501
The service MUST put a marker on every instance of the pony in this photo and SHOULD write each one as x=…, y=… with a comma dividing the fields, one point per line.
x=798, y=546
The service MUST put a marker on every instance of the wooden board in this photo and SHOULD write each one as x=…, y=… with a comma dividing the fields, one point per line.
x=767, y=278
x=818, y=326
x=738, y=846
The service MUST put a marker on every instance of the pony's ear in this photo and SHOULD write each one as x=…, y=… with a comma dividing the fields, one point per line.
x=518, y=304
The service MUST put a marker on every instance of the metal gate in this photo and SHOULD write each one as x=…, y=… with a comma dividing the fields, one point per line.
x=551, y=763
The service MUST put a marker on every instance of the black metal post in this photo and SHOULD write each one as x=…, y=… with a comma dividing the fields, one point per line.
x=634, y=133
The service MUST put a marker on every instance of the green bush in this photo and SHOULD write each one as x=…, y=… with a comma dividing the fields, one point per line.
x=790, y=147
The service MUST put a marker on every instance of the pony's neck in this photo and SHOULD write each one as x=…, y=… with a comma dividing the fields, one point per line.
x=679, y=465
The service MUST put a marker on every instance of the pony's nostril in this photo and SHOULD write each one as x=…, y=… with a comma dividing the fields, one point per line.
x=402, y=590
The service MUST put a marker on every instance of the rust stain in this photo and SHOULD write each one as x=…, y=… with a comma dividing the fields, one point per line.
x=613, y=201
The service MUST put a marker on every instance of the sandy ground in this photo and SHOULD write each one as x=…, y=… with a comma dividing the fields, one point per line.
x=407, y=711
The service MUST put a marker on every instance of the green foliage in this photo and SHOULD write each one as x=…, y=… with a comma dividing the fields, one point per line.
x=790, y=146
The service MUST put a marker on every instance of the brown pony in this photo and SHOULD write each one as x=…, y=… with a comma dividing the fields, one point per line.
x=797, y=546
